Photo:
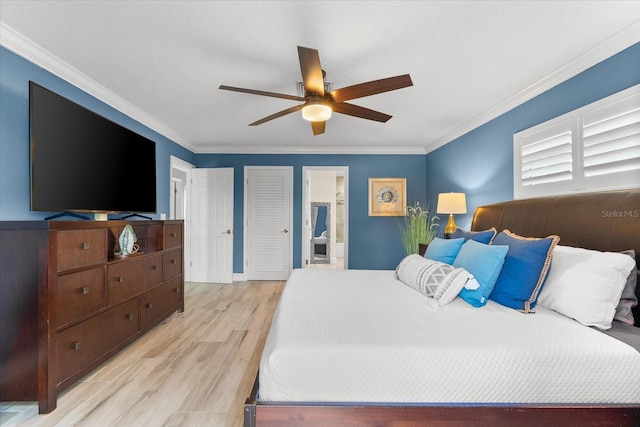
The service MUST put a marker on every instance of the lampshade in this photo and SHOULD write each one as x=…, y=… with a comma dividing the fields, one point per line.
x=452, y=203
x=316, y=111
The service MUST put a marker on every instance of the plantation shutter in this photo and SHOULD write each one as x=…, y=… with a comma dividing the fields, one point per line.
x=546, y=160
x=611, y=140
x=591, y=149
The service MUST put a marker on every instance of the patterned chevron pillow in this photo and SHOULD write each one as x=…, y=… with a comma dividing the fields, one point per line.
x=436, y=280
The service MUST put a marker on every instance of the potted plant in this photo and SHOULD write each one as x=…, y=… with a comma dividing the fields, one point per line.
x=418, y=227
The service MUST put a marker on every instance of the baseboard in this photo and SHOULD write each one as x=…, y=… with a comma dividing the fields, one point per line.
x=239, y=277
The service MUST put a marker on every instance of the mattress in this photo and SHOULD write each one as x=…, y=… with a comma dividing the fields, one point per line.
x=361, y=336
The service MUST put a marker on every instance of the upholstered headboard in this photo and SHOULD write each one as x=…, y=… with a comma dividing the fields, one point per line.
x=607, y=221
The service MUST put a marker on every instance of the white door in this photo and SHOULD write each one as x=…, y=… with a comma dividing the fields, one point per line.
x=211, y=225
x=268, y=221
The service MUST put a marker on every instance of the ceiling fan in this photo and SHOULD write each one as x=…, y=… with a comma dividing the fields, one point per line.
x=318, y=104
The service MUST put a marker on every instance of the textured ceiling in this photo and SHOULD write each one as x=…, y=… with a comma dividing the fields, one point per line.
x=162, y=62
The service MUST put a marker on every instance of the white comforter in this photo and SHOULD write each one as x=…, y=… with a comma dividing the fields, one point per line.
x=363, y=336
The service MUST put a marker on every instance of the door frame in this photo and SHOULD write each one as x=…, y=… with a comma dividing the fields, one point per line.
x=176, y=163
x=245, y=217
x=182, y=166
x=340, y=171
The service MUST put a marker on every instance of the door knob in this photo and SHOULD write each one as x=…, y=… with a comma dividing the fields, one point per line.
x=226, y=232
x=285, y=231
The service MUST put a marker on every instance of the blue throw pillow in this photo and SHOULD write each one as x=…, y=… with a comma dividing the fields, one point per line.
x=443, y=250
x=484, y=262
x=479, y=236
x=524, y=271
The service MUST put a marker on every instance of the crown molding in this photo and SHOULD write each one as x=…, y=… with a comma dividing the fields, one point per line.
x=327, y=149
x=606, y=49
x=24, y=47
x=17, y=43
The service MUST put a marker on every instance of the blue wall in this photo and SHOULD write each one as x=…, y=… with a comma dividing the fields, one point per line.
x=374, y=242
x=480, y=163
x=15, y=73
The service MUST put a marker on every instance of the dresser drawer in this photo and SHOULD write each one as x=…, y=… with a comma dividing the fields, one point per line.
x=152, y=274
x=79, y=295
x=172, y=236
x=124, y=280
x=81, y=248
x=160, y=302
x=80, y=345
x=172, y=263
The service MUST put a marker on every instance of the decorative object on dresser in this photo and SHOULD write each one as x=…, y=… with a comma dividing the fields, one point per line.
x=70, y=303
x=127, y=242
x=451, y=203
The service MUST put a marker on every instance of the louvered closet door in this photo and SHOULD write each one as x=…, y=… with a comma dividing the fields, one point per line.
x=268, y=223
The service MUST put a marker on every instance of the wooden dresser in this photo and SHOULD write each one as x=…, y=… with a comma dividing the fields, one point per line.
x=68, y=303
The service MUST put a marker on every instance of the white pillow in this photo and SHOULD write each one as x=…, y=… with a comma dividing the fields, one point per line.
x=586, y=285
x=438, y=281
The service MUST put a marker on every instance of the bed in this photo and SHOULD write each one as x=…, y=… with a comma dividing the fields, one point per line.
x=341, y=366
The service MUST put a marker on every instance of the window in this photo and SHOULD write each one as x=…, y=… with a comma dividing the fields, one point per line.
x=594, y=148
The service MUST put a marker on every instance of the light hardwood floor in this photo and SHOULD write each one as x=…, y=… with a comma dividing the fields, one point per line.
x=195, y=369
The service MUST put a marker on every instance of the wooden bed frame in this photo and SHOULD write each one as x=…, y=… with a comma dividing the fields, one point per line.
x=601, y=221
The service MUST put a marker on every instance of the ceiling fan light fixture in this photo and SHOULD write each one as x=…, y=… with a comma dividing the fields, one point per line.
x=316, y=111
x=320, y=101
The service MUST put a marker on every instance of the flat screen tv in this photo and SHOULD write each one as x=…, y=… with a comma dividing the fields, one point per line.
x=83, y=162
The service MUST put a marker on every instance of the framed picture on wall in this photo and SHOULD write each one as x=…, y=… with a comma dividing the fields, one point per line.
x=387, y=196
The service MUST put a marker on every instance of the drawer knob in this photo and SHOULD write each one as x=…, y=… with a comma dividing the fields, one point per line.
x=173, y=261
x=75, y=345
x=84, y=290
x=120, y=279
x=149, y=305
x=84, y=246
x=174, y=234
x=154, y=267
x=129, y=316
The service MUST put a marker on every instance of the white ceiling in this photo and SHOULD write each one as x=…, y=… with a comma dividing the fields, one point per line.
x=162, y=62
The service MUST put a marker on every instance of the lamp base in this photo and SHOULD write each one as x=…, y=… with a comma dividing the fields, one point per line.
x=450, y=228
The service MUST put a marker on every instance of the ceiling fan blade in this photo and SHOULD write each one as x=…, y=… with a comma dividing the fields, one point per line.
x=371, y=88
x=278, y=114
x=361, y=112
x=311, y=70
x=318, y=127
x=261, y=92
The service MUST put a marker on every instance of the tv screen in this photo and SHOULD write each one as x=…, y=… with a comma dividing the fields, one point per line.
x=83, y=162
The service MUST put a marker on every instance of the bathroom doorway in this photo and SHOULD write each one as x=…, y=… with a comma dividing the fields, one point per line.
x=325, y=217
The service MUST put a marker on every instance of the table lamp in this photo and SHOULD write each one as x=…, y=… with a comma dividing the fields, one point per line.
x=451, y=203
